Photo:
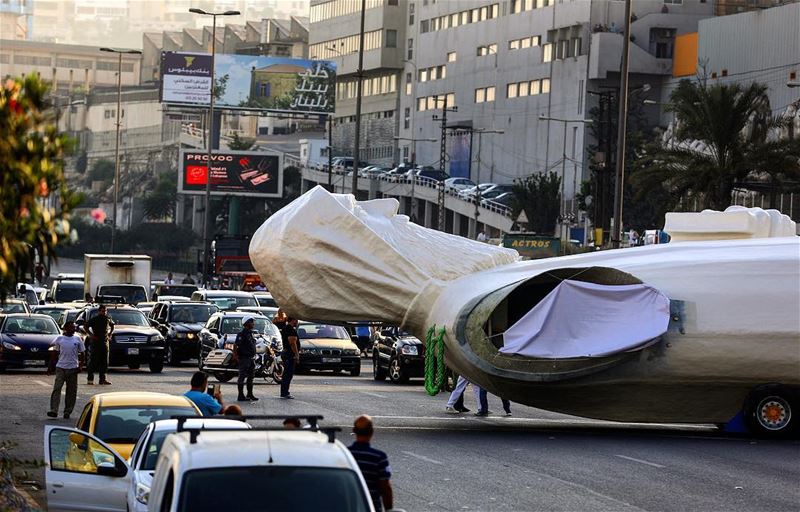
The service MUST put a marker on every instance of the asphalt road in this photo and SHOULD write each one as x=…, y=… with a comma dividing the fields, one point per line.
x=534, y=460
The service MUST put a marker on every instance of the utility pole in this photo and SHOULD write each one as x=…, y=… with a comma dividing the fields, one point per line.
x=478, y=173
x=414, y=166
x=116, y=149
x=622, y=126
x=443, y=157
x=330, y=152
x=360, y=79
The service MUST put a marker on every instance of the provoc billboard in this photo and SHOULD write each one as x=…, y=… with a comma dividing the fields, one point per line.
x=250, y=82
x=243, y=173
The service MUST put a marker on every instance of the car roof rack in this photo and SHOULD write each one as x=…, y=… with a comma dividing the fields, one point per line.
x=109, y=299
x=312, y=419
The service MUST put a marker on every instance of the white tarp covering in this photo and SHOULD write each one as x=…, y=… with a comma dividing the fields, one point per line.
x=580, y=319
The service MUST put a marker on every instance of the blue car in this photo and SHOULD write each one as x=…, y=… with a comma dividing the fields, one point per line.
x=25, y=339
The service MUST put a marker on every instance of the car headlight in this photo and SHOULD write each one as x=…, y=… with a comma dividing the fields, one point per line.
x=352, y=351
x=142, y=493
x=409, y=350
x=51, y=349
x=180, y=335
x=191, y=335
x=308, y=351
x=11, y=346
x=157, y=338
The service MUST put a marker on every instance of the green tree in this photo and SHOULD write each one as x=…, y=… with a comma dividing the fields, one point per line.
x=160, y=203
x=102, y=170
x=723, y=141
x=539, y=196
x=35, y=203
x=239, y=144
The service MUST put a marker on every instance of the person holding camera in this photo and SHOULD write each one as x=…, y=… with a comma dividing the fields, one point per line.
x=209, y=405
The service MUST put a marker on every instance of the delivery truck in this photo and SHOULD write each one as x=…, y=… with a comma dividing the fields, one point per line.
x=123, y=276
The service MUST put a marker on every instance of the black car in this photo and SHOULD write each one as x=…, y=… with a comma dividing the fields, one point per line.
x=327, y=347
x=135, y=340
x=180, y=323
x=397, y=354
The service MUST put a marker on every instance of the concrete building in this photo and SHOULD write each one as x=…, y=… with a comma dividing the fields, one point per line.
x=16, y=19
x=68, y=66
x=334, y=35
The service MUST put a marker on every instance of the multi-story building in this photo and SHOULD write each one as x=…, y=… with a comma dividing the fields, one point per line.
x=16, y=19
x=68, y=66
x=334, y=35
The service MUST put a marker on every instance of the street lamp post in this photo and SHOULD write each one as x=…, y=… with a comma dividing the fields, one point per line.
x=359, y=84
x=119, y=53
x=478, y=175
x=622, y=126
x=209, y=144
x=563, y=206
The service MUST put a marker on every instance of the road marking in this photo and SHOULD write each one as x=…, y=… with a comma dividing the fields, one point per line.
x=42, y=383
x=422, y=457
x=376, y=395
x=640, y=461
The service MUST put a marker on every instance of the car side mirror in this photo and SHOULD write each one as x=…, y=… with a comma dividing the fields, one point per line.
x=109, y=469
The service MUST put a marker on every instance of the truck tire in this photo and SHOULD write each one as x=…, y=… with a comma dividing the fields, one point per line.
x=378, y=373
x=156, y=365
x=223, y=376
x=772, y=411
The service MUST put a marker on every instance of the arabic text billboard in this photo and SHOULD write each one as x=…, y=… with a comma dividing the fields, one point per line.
x=244, y=173
x=281, y=84
x=185, y=77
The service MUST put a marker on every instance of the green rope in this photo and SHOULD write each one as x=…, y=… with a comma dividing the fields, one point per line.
x=434, y=361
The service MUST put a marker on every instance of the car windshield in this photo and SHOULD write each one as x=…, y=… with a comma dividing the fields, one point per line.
x=30, y=325
x=231, y=303
x=124, y=424
x=13, y=307
x=181, y=290
x=54, y=313
x=126, y=317
x=191, y=313
x=68, y=292
x=316, y=331
x=131, y=294
x=234, y=325
x=334, y=489
x=266, y=301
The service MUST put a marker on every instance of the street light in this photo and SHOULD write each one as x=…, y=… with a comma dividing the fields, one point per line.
x=564, y=160
x=119, y=53
x=207, y=211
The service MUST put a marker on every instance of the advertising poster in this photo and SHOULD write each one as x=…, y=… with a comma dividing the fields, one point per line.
x=186, y=77
x=245, y=173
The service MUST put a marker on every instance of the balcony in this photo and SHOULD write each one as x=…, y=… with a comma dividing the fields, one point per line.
x=605, y=55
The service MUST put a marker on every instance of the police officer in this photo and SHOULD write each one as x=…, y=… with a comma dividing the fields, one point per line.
x=245, y=351
x=100, y=327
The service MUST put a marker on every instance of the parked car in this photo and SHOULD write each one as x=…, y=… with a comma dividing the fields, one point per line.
x=327, y=347
x=473, y=191
x=458, y=184
x=373, y=171
x=119, y=418
x=496, y=190
x=14, y=306
x=134, y=341
x=223, y=326
x=431, y=174
x=180, y=323
x=302, y=469
x=183, y=290
x=225, y=300
x=397, y=354
x=398, y=173
x=66, y=291
x=25, y=339
x=69, y=315
x=54, y=311
x=265, y=299
x=503, y=199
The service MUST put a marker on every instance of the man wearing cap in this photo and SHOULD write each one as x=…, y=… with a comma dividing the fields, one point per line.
x=245, y=351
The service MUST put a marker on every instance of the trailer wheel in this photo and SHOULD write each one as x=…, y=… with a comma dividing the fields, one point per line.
x=770, y=411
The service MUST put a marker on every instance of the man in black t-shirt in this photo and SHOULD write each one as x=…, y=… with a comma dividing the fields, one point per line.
x=245, y=350
x=290, y=355
x=99, y=328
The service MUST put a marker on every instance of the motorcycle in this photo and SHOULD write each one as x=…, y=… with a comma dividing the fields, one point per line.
x=222, y=364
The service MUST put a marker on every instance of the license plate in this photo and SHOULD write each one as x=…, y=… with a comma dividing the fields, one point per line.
x=133, y=351
x=331, y=359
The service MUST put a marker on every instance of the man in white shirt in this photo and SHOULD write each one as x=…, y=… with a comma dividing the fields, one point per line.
x=67, y=359
x=169, y=279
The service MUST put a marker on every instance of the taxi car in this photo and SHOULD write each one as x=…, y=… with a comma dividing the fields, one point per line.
x=119, y=418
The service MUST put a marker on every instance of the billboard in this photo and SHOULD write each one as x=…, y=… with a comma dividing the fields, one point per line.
x=250, y=82
x=243, y=173
x=185, y=77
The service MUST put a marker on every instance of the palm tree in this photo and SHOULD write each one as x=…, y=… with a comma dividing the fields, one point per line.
x=723, y=140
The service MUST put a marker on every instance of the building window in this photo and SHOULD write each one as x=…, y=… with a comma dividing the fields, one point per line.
x=576, y=46
x=423, y=75
x=513, y=44
x=408, y=84
x=451, y=56
x=487, y=49
x=545, y=85
x=410, y=49
x=480, y=95
x=535, y=87
x=391, y=39
x=547, y=52
x=523, y=89
x=392, y=2
x=423, y=26
x=511, y=90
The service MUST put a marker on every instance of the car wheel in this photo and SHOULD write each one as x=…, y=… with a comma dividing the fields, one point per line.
x=172, y=356
x=156, y=365
x=134, y=366
x=355, y=371
x=396, y=373
x=378, y=373
x=770, y=412
x=223, y=376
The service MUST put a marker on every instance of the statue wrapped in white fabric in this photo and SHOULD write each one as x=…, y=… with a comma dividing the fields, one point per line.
x=679, y=332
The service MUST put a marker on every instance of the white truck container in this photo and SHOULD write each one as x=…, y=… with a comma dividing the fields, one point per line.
x=120, y=275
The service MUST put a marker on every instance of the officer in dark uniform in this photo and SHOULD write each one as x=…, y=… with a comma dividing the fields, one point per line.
x=245, y=350
x=100, y=327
